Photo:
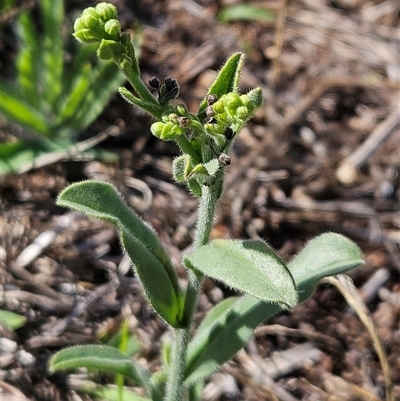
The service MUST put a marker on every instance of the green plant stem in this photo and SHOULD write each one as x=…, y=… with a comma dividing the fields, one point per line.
x=154, y=110
x=136, y=81
x=205, y=218
x=187, y=148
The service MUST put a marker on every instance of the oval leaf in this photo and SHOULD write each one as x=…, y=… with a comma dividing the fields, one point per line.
x=323, y=256
x=248, y=266
x=228, y=326
x=152, y=263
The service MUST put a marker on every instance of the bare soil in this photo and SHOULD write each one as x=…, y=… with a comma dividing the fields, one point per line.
x=330, y=76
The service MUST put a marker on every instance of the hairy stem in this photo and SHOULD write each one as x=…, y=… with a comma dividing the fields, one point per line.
x=140, y=88
x=175, y=390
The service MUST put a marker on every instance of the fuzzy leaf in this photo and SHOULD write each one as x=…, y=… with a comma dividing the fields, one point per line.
x=228, y=326
x=152, y=263
x=323, y=256
x=248, y=266
x=227, y=81
x=225, y=330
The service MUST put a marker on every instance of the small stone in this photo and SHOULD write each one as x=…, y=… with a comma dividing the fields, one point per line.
x=216, y=295
x=7, y=346
x=25, y=358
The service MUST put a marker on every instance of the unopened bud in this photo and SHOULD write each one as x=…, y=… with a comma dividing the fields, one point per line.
x=256, y=98
x=154, y=83
x=106, y=11
x=112, y=27
x=211, y=99
x=184, y=121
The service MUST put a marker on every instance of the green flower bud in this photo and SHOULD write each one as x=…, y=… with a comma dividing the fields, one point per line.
x=245, y=100
x=219, y=106
x=232, y=101
x=166, y=131
x=242, y=112
x=113, y=28
x=97, y=23
x=256, y=97
x=85, y=36
x=79, y=24
x=173, y=118
x=181, y=109
x=157, y=128
x=89, y=17
x=88, y=28
x=106, y=11
x=176, y=131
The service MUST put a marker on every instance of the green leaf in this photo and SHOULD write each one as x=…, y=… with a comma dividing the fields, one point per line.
x=323, y=256
x=155, y=280
x=125, y=341
x=20, y=112
x=105, y=78
x=27, y=62
x=15, y=155
x=105, y=359
x=248, y=266
x=115, y=394
x=75, y=97
x=228, y=326
x=52, y=54
x=204, y=173
x=152, y=263
x=245, y=12
x=11, y=320
x=21, y=156
x=227, y=81
x=224, y=331
x=5, y=5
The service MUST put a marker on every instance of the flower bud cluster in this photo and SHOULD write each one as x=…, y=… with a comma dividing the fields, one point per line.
x=169, y=129
x=231, y=111
x=98, y=23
